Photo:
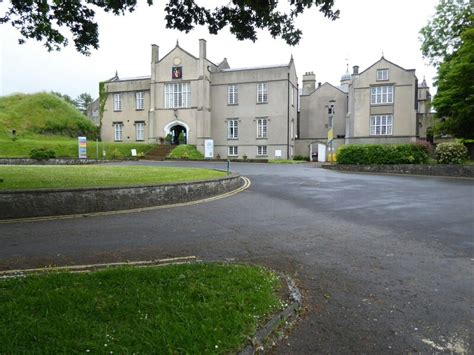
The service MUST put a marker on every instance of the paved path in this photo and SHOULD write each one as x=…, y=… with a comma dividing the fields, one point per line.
x=385, y=262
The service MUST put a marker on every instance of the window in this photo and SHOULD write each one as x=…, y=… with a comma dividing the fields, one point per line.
x=233, y=129
x=262, y=125
x=262, y=93
x=381, y=95
x=382, y=74
x=292, y=95
x=381, y=125
x=117, y=102
x=233, y=151
x=118, y=128
x=139, y=100
x=262, y=150
x=140, y=131
x=177, y=95
x=232, y=95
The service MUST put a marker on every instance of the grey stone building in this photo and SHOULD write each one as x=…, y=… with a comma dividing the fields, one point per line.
x=248, y=112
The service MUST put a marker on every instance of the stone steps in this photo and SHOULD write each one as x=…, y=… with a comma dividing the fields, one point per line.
x=160, y=152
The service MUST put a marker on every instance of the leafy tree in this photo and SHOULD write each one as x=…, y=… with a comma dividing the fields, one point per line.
x=44, y=20
x=454, y=101
x=442, y=35
x=65, y=97
x=83, y=101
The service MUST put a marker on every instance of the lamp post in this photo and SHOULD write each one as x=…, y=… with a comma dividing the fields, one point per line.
x=331, y=107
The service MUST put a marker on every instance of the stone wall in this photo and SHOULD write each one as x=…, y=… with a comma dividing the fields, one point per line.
x=434, y=170
x=35, y=203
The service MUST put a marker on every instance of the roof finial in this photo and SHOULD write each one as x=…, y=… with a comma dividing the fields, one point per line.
x=177, y=42
x=116, y=74
x=382, y=53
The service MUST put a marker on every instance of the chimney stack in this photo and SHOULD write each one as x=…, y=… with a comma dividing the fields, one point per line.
x=309, y=83
x=355, y=70
x=154, y=53
x=202, y=49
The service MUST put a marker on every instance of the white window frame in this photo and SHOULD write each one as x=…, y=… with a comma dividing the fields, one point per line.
x=232, y=95
x=381, y=125
x=233, y=151
x=262, y=93
x=117, y=102
x=177, y=95
x=262, y=127
x=118, y=131
x=140, y=100
x=233, y=129
x=262, y=150
x=381, y=95
x=140, y=131
x=382, y=74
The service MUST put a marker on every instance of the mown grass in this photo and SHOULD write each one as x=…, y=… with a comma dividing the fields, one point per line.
x=185, y=151
x=192, y=309
x=66, y=147
x=286, y=161
x=86, y=176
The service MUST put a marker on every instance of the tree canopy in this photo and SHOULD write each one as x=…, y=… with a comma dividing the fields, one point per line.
x=48, y=21
x=442, y=35
x=454, y=101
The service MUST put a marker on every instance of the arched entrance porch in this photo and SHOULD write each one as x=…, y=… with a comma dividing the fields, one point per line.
x=178, y=132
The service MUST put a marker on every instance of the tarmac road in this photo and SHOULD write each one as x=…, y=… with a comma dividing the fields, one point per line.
x=385, y=263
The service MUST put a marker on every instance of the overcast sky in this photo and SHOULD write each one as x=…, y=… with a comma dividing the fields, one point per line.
x=365, y=30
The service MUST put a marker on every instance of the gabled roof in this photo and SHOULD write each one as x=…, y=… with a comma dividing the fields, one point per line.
x=383, y=58
x=177, y=46
x=319, y=87
x=256, y=68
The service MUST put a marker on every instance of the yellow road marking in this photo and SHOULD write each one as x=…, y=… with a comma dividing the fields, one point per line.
x=245, y=186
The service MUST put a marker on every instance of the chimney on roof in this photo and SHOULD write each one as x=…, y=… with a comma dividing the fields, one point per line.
x=319, y=84
x=202, y=48
x=154, y=53
x=309, y=83
x=355, y=70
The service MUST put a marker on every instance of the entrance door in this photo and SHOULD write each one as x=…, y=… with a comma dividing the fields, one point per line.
x=178, y=135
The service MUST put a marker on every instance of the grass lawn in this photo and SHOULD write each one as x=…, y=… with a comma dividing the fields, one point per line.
x=66, y=147
x=186, y=151
x=76, y=176
x=194, y=309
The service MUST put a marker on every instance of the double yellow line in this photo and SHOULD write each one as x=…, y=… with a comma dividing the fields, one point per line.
x=245, y=186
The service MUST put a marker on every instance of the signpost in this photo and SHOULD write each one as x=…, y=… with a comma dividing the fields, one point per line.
x=208, y=148
x=82, y=147
x=330, y=139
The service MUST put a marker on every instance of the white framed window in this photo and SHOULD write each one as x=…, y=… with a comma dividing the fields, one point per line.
x=118, y=131
x=233, y=151
x=140, y=131
x=177, y=95
x=382, y=74
x=117, y=102
x=232, y=129
x=139, y=100
x=381, y=125
x=232, y=95
x=262, y=150
x=381, y=95
x=292, y=95
x=262, y=127
x=262, y=93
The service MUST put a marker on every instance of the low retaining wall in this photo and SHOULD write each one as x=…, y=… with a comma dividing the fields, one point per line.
x=434, y=170
x=36, y=203
x=25, y=161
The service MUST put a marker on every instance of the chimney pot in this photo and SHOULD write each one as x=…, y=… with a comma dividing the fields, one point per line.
x=355, y=69
x=202, y=48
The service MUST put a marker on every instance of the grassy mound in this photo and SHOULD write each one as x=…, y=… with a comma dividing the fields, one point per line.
x=89, y=176
x=38, y=114
x=176, y=309
x=186, y=152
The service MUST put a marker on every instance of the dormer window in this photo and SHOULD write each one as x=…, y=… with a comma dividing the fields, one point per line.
x=382, y=74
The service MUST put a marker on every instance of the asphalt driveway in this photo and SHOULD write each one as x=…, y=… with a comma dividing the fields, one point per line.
x=385, y=263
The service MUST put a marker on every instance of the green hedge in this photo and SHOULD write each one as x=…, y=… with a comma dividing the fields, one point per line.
x=412, y=153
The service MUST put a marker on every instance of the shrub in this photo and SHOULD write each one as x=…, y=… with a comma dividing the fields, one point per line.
x=451, y=153
x=382, y=154
x=42, y=153
x=117, y=154
x=300, y=157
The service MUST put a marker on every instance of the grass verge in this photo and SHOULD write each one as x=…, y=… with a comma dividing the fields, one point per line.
x=285, y=161
x=19, y=177
x=196, y=308
x=65, y=147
